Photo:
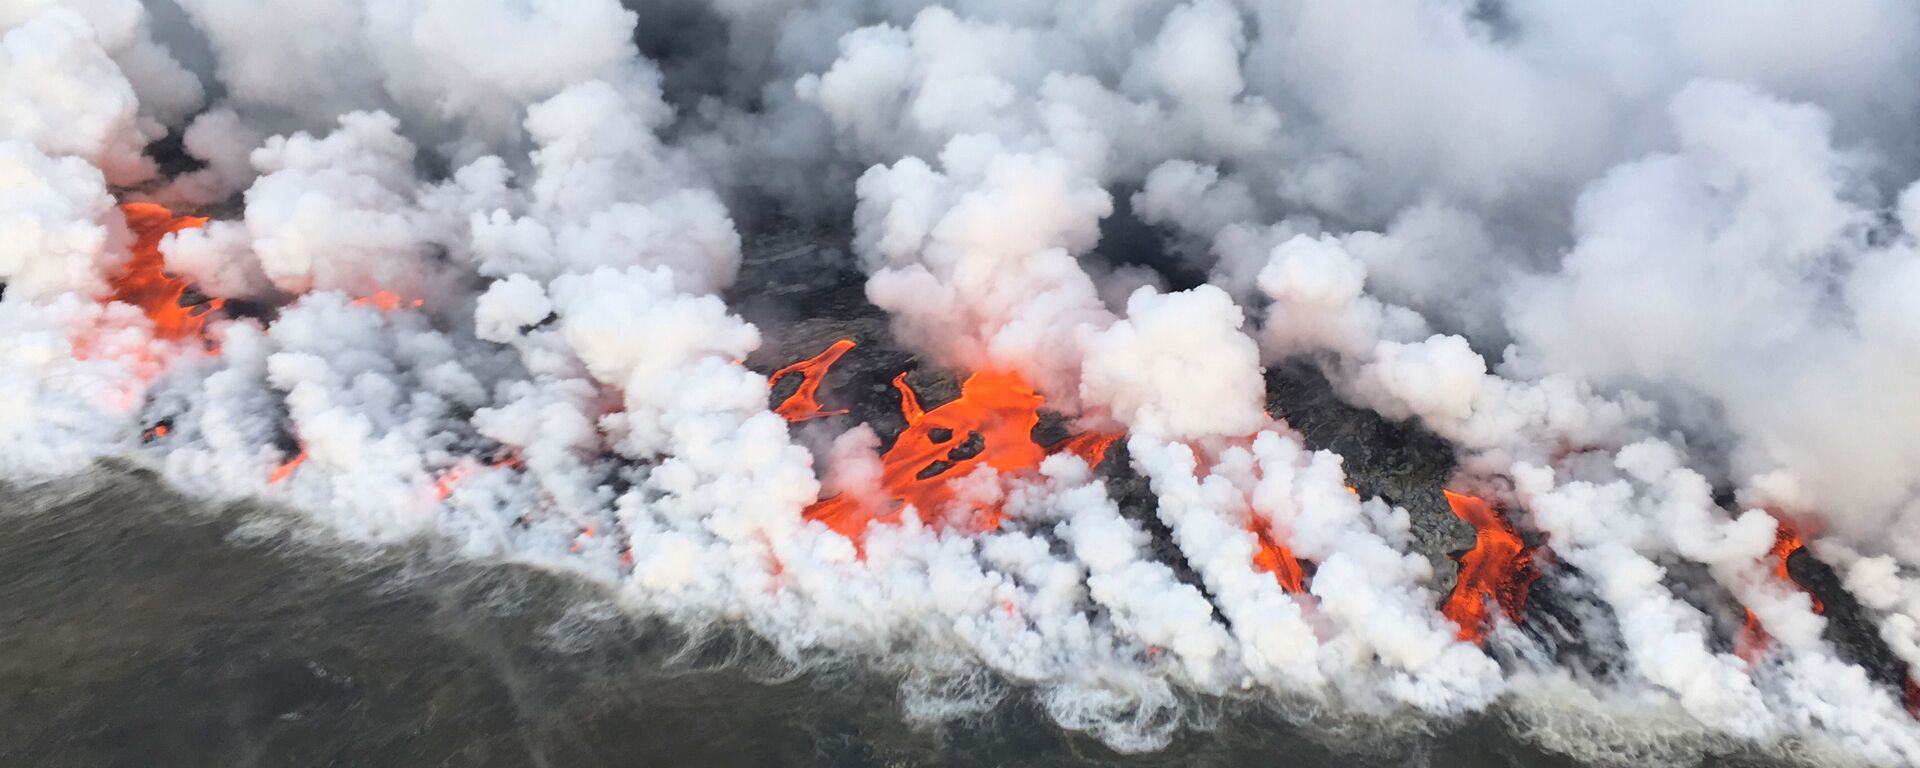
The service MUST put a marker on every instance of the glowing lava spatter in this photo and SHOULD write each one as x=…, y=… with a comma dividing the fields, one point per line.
x=143, y=281
x=804, y=404
x=1498, y=567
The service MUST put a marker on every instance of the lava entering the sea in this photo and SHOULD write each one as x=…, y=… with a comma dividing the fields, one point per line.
x=1274, y=557
x=1754, y=640
x=1499, y=567
x=990, y=424
x=143, y=280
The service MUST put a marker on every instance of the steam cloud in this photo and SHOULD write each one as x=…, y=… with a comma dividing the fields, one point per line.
x=1648, y=265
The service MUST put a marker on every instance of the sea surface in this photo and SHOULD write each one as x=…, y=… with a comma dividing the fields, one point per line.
x=138, y=628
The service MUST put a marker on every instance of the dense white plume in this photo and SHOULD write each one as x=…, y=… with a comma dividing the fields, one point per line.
x=1648, y=266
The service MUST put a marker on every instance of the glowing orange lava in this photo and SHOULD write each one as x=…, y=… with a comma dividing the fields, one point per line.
x=143, y=281
x=387, y=301
x=990, y=424
x=444, y=484
x=451, y=478
x=287, y=467
x=1753, y=640
x=1091, y=447
x=803, y=404
x=1274, y=557
x=1497, y=568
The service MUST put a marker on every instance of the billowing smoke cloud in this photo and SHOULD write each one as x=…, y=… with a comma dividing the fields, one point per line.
x=1645, y=266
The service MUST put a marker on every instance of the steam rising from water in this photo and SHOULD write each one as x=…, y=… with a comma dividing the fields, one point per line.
x=1646, y=266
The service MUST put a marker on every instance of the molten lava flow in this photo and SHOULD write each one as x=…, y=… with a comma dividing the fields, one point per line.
x=286, y=468
x=143, y=280
x=1274, y=557
x=387, y=301
x=1753, y=640
x=1786, y=541
x=802, y=405
x=1499, y=568
x=1091, y=447
x=990, y=424
x=450, y=479
x=444, y=484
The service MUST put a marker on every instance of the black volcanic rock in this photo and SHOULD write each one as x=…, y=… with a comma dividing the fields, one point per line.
x=1850, y=629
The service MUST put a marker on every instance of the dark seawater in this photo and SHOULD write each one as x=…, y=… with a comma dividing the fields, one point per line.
x=136, y=630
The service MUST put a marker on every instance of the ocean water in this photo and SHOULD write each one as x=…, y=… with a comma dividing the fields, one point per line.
x=141, y=629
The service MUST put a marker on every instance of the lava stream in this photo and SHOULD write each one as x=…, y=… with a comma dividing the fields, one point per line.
x=387, y=301
x=991, y=424
x=143, y=280
x=803, y=404
x=1274, y=557
x=1498, y=567
x=1091, y=447
x=287, y=467
x=1753, y=640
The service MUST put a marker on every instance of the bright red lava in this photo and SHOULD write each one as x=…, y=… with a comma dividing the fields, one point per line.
x=1498, y=567
x=287, y=467
x=940, y=445
x=804, y=404
x=991, y=424
x=1274, y=557
x=1091, y=447
x=1753, y=640
x=387, y=301
x=143, y=281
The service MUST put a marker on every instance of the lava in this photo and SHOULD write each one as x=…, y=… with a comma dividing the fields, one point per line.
x=287, y=467
x=387, y=301
x=1786, y=541
x=1753, y=640
x=803, y=404
x=1274, y=557
x=1498, y=567
x=444, y=484
x=143, y=280
x=990, y=424
x=1091, y=447
x=451, y=478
